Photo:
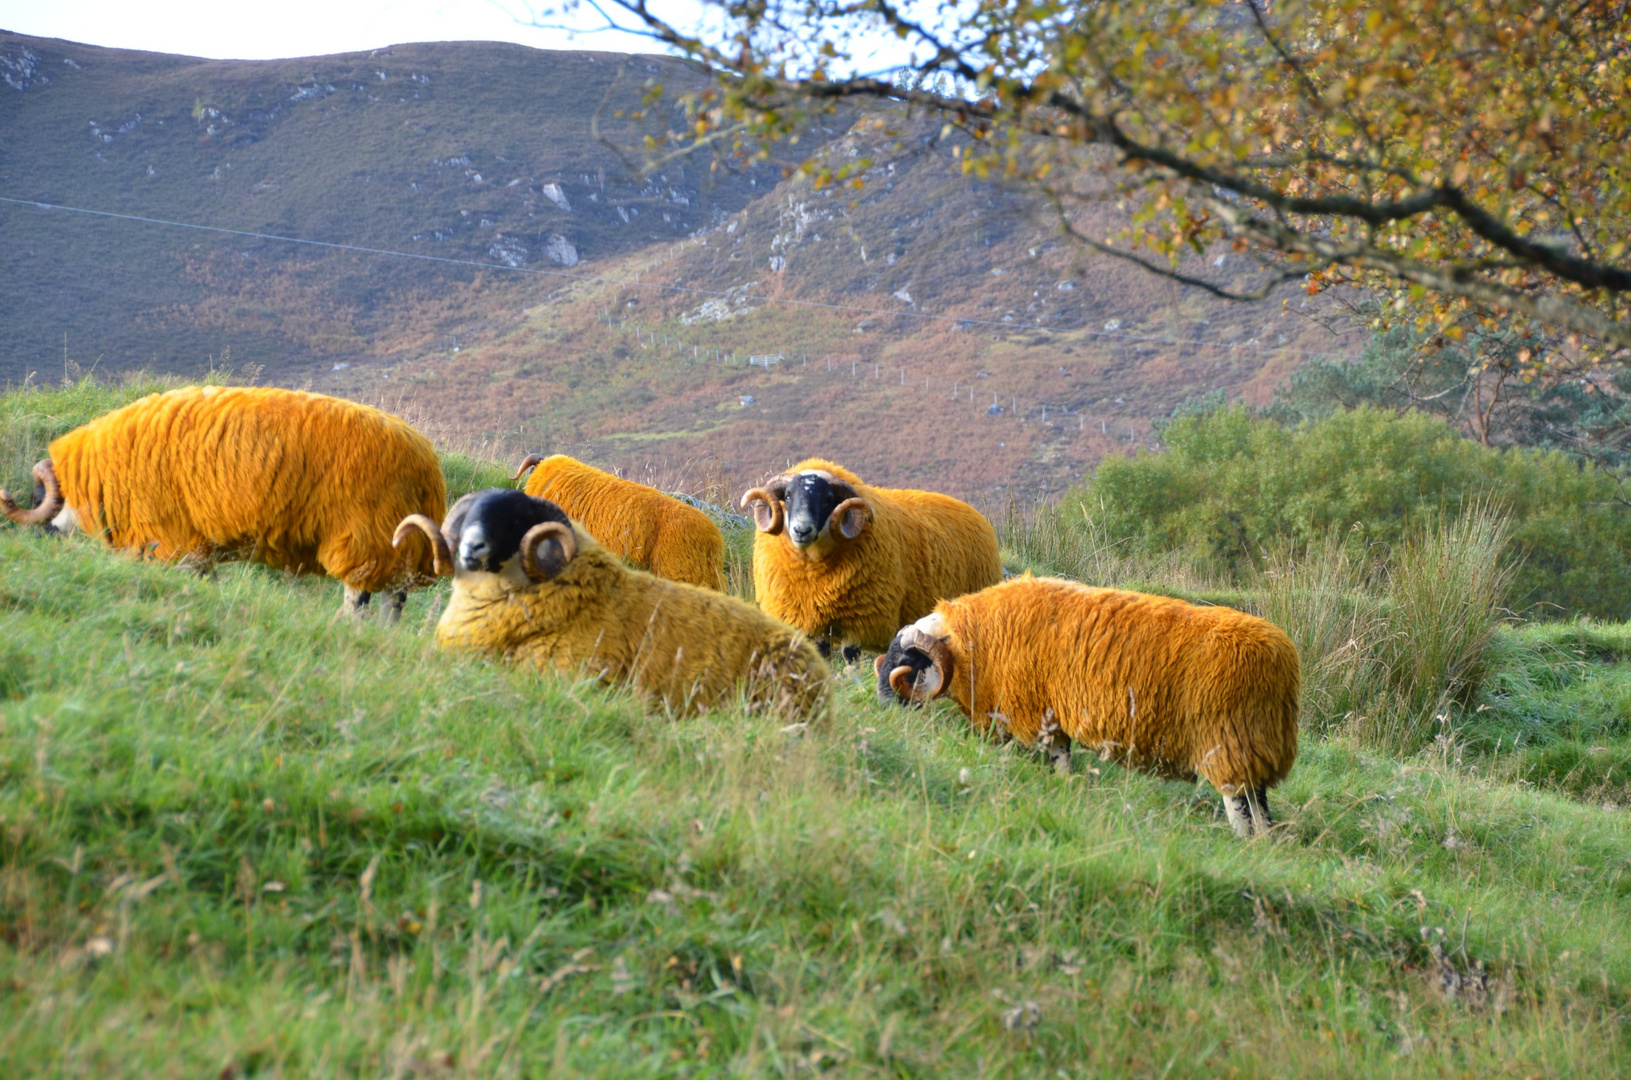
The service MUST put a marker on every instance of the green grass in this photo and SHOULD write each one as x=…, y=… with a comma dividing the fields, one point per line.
x=241, y=837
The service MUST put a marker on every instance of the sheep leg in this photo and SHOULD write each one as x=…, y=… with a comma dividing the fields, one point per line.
x=1239, y=812
x=355, y=602
x=852, y=653
x=1258, y=801
x=391, y=609
x=824, y=647
x=1055, y=744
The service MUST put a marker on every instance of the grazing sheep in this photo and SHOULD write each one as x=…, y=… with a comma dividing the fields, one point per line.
x=531, y=585
x=647, y=529
x=847, y=562
x=294, y=480
x=1173, y=688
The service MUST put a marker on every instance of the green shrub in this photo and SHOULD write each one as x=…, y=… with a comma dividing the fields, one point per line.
x=1232, y=483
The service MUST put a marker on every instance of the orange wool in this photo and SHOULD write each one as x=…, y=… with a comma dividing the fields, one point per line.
x=642, y=526
x=1176, y=689
x=298, y=481
x=690, y=648
x=920, y=547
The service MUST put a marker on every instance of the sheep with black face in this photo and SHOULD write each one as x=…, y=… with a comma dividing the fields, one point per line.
x=532, y=585
x=1176, y=689
x=848, y=562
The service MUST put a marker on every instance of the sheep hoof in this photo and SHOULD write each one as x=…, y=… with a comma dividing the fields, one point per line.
x=391, y=610
x=355, y=602
x=1248, y=812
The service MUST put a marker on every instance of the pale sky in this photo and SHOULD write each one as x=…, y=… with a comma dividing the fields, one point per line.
x=262, y=31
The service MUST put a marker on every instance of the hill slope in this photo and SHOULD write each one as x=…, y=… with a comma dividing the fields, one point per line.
x=960, y=296
x=245, y=838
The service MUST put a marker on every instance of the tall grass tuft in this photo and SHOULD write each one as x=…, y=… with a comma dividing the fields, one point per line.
x=1447, y=588
x=1068, y=542
x=1321, y=596
x=1390, y=649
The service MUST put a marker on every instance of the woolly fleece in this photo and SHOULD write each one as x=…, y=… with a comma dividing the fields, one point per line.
x=689, y=647
x=1173, y=688
x=919, y=548
x=295, y=480
x=646, y=528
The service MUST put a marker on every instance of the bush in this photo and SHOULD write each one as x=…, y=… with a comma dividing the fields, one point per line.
x=1392, y=649
x=1234, y=484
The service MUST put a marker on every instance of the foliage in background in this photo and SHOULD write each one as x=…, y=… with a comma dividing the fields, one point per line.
x=1475, y=151
x=1488, y=384
x=1232, y=484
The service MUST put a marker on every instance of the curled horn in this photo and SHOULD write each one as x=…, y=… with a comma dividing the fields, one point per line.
x=850, y=517
x=767, y=505
x=911, y=686
x=438, y=542
x=526, y=463
x=535, y=536
x=49, y=507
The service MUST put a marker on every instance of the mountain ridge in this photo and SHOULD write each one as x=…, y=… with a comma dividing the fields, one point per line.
x=519, y=159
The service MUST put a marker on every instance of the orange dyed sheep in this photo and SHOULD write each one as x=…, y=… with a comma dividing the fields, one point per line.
x=533, y=586
x=1169, y=687
x=848, y=562
x=294, y=480
x=642, y=526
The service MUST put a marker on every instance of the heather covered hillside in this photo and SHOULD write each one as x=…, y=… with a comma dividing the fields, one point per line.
x=610, y=276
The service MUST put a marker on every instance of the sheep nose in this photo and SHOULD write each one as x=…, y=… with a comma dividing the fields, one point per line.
x=471, y=555
x=803, y=534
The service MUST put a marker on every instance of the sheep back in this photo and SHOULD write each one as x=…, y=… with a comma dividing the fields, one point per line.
x=920, y=547
x=1174, y=688
x=647, y=529
x=691, y=648
x=295, y=480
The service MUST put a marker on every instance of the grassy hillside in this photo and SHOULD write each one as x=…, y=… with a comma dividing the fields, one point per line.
x=242, y=837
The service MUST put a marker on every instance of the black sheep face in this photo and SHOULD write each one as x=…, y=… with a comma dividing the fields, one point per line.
x=484, y=529
x=811, y=498
x=899, y=655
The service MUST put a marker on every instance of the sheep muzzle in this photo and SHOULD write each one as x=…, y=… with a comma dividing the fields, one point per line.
x=49, y=507
x=552, y=564
x=438, y=543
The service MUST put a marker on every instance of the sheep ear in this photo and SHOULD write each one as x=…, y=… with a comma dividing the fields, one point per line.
x=877, y=665
x=850, y=517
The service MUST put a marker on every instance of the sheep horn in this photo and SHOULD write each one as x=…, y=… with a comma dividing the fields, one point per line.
x=548, y=530
x=438, y=542
x=767, y=510
x=526, y=463
x=850, y=517
x=933, y=680
x=49, y=507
